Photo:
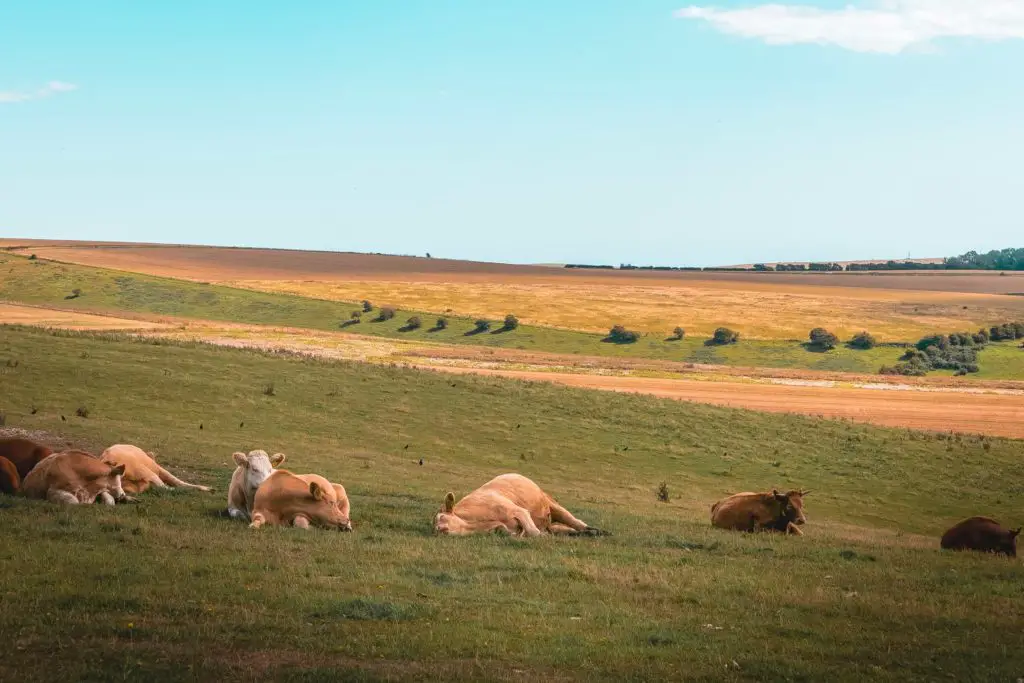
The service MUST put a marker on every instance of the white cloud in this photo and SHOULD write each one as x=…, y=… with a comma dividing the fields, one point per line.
x=51, y=88
x=886, y=26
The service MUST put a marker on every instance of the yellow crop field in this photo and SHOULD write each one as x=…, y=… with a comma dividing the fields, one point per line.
x=757, y=311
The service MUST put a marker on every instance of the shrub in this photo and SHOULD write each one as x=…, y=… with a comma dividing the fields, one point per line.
x=82, y=412
x=33, y=257
x=511, y=322
x=620, y=335
x=413, y=323
x=723, y=335
x=863, y=340
x=663, y=495
x=981, y=337
x=678, y=333
x=356, y=315
x=823, y=339
x=481, y=325
x=385, y=313
x=268, y=389
x=367, y=306
x=441, y=324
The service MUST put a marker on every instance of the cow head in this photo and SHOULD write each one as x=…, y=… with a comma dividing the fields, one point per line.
x=446, y=521
x=1010, y=545
x=258, y=466
x=329, y=506
x=791, y=506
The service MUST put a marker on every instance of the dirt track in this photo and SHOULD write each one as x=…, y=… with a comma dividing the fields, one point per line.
x=993, y=414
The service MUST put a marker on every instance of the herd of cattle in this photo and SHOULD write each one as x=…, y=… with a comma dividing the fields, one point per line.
x=261, y=494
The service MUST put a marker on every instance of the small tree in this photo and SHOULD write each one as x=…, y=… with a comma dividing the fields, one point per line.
x=678, y=333
x=481, y=325
x=823, y=339
x=356, y=316
x=723, y=335
x=385, y=313
x=863, y=340
x=367, y=306
x=511, y=322
x=413, y=323
x=33, y=257
x=620, y=335
x=442, y=324
x=663, y=494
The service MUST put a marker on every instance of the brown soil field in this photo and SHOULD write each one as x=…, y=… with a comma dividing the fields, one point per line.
x=13, y=314
x=212, y=264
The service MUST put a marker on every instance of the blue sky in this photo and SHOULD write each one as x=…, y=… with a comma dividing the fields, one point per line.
x=598, y=131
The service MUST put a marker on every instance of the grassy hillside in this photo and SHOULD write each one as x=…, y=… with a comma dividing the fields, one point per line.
x=166, y=590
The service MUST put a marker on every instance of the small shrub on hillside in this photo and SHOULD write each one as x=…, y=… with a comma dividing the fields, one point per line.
x=981, y=337
x=511, y=322
x=663, y=494
x=82, y=412
x=385, y=313
x=268, y=389
x=620, y=335
x=75, y=293
x=678, y=333
x=863, y=340
x=33, y=257
x=413, y=323
x=441, y=324
x=823, y=339
x=367, y=306
x=481, y=325
x=723, y=335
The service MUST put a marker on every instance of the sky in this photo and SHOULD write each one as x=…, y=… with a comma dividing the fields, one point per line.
x=597, y=131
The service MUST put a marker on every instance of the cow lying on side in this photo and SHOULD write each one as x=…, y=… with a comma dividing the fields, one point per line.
x=772, y=511
x=23, y=453
x=982, y=534
x=75, y=477
x=300, y=500
x=10, y=480
x=141, y=471
x=252, y=470
x=509, y=502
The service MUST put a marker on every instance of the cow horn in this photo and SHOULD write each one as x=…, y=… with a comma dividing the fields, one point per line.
x=805, y=492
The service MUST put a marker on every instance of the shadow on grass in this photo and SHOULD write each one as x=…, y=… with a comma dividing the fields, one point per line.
x=475, y=331
x=349, y=323
x=815, y=348
x=502, y=330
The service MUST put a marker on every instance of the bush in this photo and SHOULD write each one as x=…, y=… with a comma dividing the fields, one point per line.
x=723, y=335
x=413, y=323
x=981, y=337
x=678, y=333
x=356, y=316
x=367, y=306
x=268, y=389
x=620, y=335
x=481, y=325
x=823, y=339
x=82, y=412
x=511, y=322
x=863, y=340
x=663, y=492
x=441, y=324
x=33, y=257
x=385, y=313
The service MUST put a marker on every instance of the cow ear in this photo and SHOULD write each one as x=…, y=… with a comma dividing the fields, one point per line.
x=449, y=502
x=316, y=491
x=240, y=459
x=117, y=470
x=778, y=496
x=276, y=459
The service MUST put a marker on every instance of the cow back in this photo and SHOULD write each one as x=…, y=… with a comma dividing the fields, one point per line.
x=24, y=454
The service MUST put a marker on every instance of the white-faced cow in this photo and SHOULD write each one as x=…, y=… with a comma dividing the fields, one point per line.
x=252, y=470
x=771, y=511
x=510, y=503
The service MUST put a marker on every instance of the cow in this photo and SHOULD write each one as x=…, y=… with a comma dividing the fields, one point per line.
x=252, y=470
x=300, y=500
x=23, y=453
x=772, y=511
x=75, y=477
x=983, y=534
x=141, y=471
x=508, y=503
x=10, y=480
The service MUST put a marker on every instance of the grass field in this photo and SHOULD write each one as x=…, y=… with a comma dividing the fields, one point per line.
x=166, y=590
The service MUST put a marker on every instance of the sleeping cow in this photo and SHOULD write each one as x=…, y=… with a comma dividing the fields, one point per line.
x=511, y=503
x=23, y=453
x=772, y=511
x=982, y=534
x=300, y=500
x=75, y=477
x=141, y=471
x=252, y=470
x=10, y=480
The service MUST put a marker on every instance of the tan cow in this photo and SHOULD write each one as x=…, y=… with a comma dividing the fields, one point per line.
x=510, y=503
x=141, y=471
x=75, y=477
x=300, y=500
x=772, y=511
x=252, y=470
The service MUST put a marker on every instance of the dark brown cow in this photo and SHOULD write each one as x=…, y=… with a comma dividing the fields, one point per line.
x=10, y=481
x=23, y=453
x=772, y=511
x=983, y=534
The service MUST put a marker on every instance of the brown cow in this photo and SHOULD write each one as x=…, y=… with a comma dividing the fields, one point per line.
x=511, y=503
x=141, y=471
x=299, y=500
x=10, y=480
x=75, y=477
x=23, y=453
x=982, y=534
x=772, y=511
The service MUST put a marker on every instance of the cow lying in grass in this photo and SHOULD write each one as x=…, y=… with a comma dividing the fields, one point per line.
x=982, y=534
x=10, y=480
x=772, y=511
x=510, y=503
x=141, y=471
x=252, y=470
x=23, y=453
x=300, y=500
x=75, y=477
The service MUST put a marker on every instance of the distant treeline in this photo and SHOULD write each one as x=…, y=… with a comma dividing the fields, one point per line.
x=1003, y=259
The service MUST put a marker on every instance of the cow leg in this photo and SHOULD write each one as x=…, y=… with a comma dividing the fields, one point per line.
x=105, y=498
x=170, y=480
x=562, y=529
x=235, y=513
x=58, y=496
x=793, y=529
x=258, y=520
x=526, y=524
x=560, y=517
x=300, y=522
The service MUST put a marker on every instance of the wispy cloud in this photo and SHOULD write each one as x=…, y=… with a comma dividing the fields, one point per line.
x=51, y=88
x=886, y=26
